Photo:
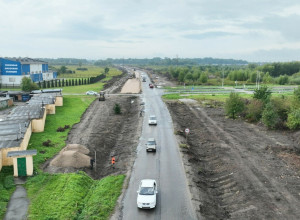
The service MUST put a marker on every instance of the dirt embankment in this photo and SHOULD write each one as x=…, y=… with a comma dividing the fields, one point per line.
x=107, y=134
x=237, y=170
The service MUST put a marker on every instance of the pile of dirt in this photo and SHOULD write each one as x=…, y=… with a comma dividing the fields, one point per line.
x=73, y=155
x=77, y=147
x=71, y=158
x=237, y=170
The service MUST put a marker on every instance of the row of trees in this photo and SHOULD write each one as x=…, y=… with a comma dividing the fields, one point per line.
x=277, y=112
x=170, y=61
x=27, y=85
x=247, y=74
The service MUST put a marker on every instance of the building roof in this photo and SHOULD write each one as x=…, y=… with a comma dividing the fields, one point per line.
x=25, y=60
x=32, y=111
x=12, y=132
x=21, y=153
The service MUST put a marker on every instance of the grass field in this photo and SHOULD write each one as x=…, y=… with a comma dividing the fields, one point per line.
x=72, y=196
x=91, y=72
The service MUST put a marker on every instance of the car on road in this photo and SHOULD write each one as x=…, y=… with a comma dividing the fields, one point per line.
x=91, y=93
x=151, y=86
x=151, y=145
x=152, y=120
x=146, y=198
x=144, y=79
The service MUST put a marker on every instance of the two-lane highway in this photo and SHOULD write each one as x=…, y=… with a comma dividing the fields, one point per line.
x=165, y=166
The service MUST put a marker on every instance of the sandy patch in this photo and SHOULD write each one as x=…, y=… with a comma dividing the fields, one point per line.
x=132, y=86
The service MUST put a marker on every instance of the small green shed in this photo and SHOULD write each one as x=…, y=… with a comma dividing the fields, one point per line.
x=22, y=162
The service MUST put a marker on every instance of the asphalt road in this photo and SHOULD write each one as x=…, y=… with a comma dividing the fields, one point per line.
x=165, y=166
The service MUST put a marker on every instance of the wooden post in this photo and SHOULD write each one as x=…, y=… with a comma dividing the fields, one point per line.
x=95, y=159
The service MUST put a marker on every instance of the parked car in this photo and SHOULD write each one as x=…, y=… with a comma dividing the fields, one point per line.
x=146, y=198
x=152, y=120
x=151, y=86
x=91, y=93
x=151, y=145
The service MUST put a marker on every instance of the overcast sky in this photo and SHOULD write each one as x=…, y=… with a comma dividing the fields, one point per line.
x=253, y=30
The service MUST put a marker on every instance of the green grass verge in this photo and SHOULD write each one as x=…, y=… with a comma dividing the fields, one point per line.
x=102, y=197
x=72, y=196
x=7, y=187
x=203, y=97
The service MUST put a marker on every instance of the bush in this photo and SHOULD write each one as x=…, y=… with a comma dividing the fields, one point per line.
x=293, y=121
x=263, y=94
x=60, y=129
x=234, y=105
x=282, y=80
x=27, y=85
x=117, y=109
x=254, y=110
x=47, y=143
x=67, y=127
x=270, y=118
x=282, y=108
x=9, y=182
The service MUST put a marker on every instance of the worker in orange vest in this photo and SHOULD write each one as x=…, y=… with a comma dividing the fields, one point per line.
x=113, y=161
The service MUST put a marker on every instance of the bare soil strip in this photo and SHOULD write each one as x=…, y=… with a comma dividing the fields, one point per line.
x=107, y=134
x=237, y=170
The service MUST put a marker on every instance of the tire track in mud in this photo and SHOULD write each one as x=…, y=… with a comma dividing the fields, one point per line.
x=231, y=183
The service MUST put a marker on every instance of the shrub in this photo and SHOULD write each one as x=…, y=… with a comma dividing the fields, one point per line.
x=234, y=105
x=117, y=109
x=297, y=93
x=293, y=121
x=254, y=110
x=263, y=94
x=47, y=143
x=27, y=85
x=60, y=129
x=282, y=108
x=270, y=117
x=67, y=127
x=283, y=79
x=9, y=182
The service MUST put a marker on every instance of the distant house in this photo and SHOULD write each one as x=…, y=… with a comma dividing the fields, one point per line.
x=12, y=70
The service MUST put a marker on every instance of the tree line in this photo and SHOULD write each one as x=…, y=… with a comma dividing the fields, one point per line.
x=171, y=61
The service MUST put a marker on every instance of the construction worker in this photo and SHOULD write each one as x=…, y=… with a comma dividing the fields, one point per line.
x=113, y=161
x=92, y=161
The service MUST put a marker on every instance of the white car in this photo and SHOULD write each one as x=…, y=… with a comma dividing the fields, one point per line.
x=146, y=198
x=91, y=93
x=151, y=145
x=152, y=120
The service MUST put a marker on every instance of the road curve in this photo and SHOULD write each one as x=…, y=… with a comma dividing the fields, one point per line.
x=165, y=166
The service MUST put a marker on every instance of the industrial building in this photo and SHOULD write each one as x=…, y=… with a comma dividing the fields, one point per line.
x=12, y=70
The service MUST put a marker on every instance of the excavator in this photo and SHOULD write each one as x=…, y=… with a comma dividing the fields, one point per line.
x=102, y=97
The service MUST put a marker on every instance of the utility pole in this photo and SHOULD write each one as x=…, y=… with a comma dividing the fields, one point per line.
x=223, y=78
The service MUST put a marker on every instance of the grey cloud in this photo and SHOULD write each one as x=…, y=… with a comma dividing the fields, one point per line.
x=212, y=34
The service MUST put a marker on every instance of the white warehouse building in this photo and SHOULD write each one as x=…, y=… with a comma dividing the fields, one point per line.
x=12, y=70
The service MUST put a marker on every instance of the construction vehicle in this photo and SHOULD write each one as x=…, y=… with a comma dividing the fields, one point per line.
x=102, y=97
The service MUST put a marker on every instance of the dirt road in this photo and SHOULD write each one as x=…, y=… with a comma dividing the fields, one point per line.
x=237, y=170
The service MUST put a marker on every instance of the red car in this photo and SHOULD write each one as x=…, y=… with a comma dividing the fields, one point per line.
x=151, y=86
